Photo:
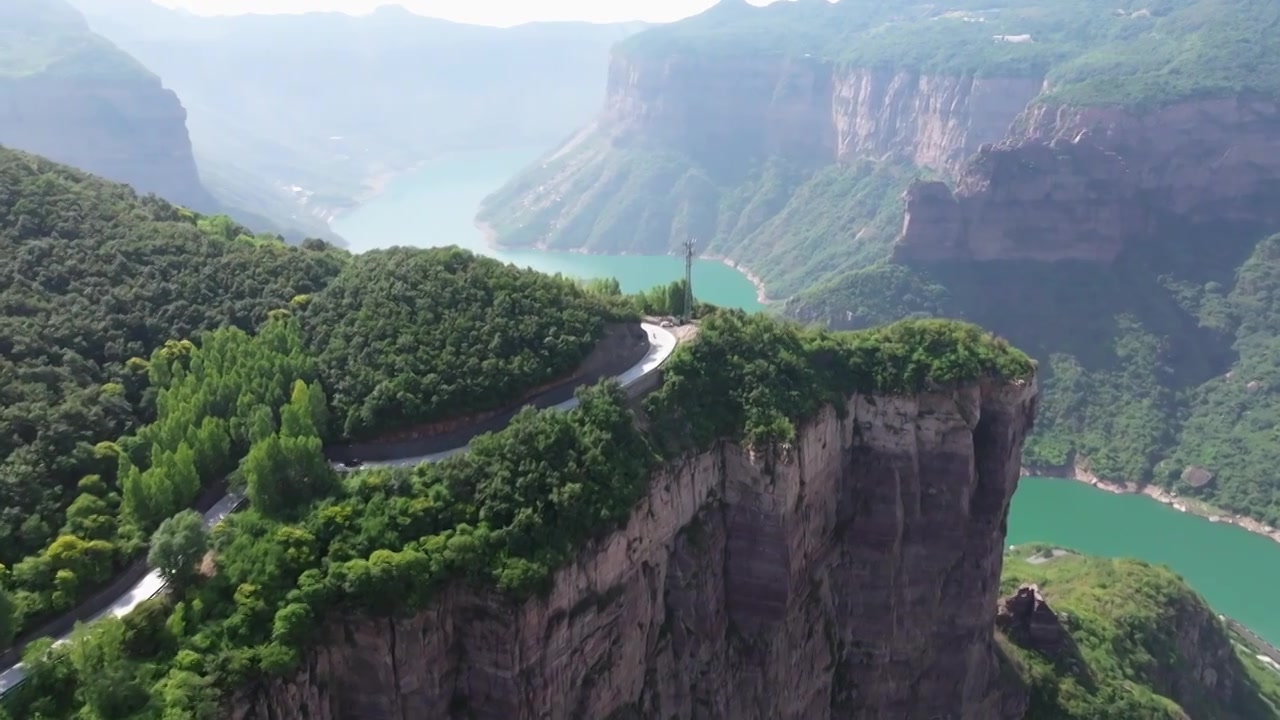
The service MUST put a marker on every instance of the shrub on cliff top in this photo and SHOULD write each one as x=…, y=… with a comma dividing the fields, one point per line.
x=751, y=377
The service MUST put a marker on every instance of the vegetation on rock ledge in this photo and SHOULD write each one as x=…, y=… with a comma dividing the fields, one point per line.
x=1142, y=644
x=753, y=378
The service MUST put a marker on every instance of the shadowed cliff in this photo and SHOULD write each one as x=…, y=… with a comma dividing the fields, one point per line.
x=72, y=96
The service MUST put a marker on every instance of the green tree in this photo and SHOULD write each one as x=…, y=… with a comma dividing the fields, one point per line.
x=296, y=418
x=319, y=405
x=178, y=546
x=286, y=473
x=107, y=684
x=8, y=618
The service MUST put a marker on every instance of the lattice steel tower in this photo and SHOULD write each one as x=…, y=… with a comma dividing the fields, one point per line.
x=688, y=281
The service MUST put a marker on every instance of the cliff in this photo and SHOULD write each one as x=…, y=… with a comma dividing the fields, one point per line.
x=808, y=109
x=853, y=573
x=1083, y=182
x=786, y=164
x=73, y=97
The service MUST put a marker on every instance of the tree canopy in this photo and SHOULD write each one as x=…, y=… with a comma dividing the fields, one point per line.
x=93, y=277
x=405, y=336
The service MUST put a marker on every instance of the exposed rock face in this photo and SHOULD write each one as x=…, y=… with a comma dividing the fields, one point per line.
x=852, y=575
x=131, y=131
x=935, y=122
x=1077, y=183
x=806, y=109
x=1026, y=618
x=1027, y=201
x=704, y=107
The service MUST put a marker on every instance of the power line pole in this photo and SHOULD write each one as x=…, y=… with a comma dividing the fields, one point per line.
x=688, y=281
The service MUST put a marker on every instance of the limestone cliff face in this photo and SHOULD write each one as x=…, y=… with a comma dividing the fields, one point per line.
x=128, y=130
x=934, y=122
x=755, y=106
x=852, y=575
x=803, y=108
x=1076, y=183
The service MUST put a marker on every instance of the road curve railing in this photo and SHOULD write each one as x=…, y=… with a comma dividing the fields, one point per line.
x=662, y=342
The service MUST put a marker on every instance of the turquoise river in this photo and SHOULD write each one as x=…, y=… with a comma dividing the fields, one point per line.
x=1238, y=572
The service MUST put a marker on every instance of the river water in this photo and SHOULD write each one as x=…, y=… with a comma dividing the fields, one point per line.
x=436, y=206
x=1237, y=571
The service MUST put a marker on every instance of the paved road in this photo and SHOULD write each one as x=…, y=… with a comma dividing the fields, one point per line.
x=661, y=344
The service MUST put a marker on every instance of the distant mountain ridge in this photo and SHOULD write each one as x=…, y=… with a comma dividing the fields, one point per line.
x=299, y=117
x=74, y=97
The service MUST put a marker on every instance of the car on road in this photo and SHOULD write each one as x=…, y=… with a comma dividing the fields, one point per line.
x=352, y=463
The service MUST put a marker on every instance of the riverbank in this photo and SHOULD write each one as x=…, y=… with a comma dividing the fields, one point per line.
x=490, y=238
x=1081, y=473
x=371, y=188
x=762, y=295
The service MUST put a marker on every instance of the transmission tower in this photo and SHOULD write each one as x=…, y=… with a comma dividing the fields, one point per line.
x=688, y=281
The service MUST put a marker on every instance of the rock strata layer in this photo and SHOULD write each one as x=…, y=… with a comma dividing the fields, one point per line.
x=805, y=109
x=850, y=575
x=1075, y=183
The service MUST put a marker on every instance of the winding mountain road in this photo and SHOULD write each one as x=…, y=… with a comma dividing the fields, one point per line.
x=662, y=343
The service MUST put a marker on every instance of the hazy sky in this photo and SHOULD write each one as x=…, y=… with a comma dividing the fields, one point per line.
x=488, y=12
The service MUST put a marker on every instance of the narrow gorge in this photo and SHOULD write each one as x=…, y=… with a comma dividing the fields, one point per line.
x=790, y=166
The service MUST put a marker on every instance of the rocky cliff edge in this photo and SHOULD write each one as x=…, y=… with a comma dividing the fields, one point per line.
x=852, y=574
x=1077, y=183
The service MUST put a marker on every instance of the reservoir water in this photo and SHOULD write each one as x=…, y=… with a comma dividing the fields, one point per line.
x=436, y=206
x=1238, y=572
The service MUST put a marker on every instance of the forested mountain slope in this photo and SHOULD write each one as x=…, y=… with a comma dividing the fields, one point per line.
x=1107, y=639
x=117, y=409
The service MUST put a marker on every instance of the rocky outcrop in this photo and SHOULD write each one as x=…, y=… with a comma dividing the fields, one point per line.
x=850, y=575
x=809, y=110
x=1026, y=619
x=96, y=109
x=1080, y=182
x=759, y=106
x=935, y=122
x=1027, y=201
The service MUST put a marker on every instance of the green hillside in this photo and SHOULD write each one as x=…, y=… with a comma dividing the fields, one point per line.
x=503, y=515
x=1091, y=51
x=132, y=379
x=1142, y=645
